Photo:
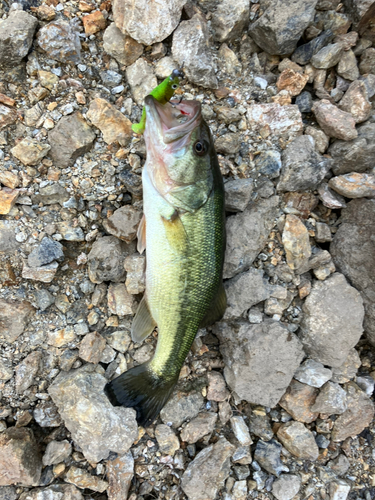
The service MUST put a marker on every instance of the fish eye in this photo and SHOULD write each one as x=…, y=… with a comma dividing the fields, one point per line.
x=174, y=86
x=200, y=147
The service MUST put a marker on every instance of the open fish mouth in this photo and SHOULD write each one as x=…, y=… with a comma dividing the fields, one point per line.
x=173, y=122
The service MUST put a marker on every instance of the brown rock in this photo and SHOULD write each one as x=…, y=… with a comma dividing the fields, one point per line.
x=8, y=198
x=7, y=116
x=292, y=81
x=367, y=64
x=20, y=461
x=298, y=440
x=43, y=273
x=94, y=22
x=65, y=146
x=348, y=67
x=354, y=185
x=86, y=6
x=82, y=479
x=47, y=79
x=59, y=338
x=124, y=223
x=356, y=102
x=92, y=347
x=199, y=427
x=27, y=370
x=135, y=273
x=14, y=316
x=30, y=151
x=45, y=12
x=217, y=390
x=167, y=440
x=335, y=122
x=298, y=400
x=329, y=198
x=320, y=138
x=296, y=242
x=9, y=179
x=122, y=47
x=281, y=120
x=120, y=302
x=357, y=417
x=120, y=472
x=4, y=99
x=113, y=124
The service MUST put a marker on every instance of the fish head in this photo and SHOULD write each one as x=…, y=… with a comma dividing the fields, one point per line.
x=180, y=150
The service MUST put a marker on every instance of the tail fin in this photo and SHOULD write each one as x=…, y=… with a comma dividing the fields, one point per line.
x=140, y=388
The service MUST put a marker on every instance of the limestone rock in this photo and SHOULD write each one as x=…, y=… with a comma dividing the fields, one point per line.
x=43, y=273
x=206, y=474
x=216, y=390
x=65, y=146
x=335, y=122
x=241, y=430
x=367, y=64
x=60, y=40
x=297, y=439
x=56, y=452
x=147, y=22
x=199, y=427
x=51, y=194
x=298, y=401
x=141, y=79
x=313, y=373
x=356, y=101
x=328, y=56
x=27, y=370
x=122, y=47
x=284, y=121
x=280, y=27
x=167, y=440
x=228, y=23
x=7, y=116
x=247, y=233
x=348, y=66
x=120, y=302
x=46, y=252
x=120, y=472
x=115, y=127
x=357, y=417
x=268, y=345
x=14, y=317
x=105, y=428
x=267, y=454
x=296, y=242
x=331, y=399
x=106, y=260
x=30, y=151
x=124, y=223
x=191, y=48
x=181, y=407
x=354, y=185
x=92, y=347
x=135, y=274
x=52, y=492
x=20, y=461
x=286, y=487
x=16, y=37
x=83, y=479
x=332, y=321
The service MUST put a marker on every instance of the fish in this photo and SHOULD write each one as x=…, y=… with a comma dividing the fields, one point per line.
x=183, y=232
x=163, y=93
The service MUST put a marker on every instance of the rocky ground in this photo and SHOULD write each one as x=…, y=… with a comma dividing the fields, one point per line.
x=276, y=400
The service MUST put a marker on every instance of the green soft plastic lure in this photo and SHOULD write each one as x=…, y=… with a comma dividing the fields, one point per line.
x=162, y=93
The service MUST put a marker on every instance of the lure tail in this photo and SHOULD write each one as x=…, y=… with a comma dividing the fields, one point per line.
x=140, y=388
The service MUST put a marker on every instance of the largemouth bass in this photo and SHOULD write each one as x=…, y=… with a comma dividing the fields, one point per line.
x=183, y=231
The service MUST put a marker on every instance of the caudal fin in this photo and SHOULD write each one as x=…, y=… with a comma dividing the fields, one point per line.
x=140, y=388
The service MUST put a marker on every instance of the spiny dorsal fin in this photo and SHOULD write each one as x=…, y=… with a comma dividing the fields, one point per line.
x=216, y=310
x=143, y=323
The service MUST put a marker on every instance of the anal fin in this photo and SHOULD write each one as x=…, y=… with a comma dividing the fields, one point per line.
x=217, y=308
x=141, y=235
x=143, y=323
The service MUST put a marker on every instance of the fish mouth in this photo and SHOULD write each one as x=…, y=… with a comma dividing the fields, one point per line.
x=173, y=122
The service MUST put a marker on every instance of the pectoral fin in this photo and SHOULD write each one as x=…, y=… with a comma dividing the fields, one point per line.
x=175, y=232
x=216, y=310
x=141, y=235
x=143, y=323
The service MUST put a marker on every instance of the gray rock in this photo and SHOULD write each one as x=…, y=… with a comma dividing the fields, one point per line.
x=247, y=233
x=6, y=370
x=275, y=354
x=191, y=49
x=304, y=53
x=228, y=144
x=147, y=23
x=332, y=321
x=8, y=242
x=206, y=474
x=286, y=487
x=44, y=299
x=322, y=232
x=354, y=185
x=60, y=40
x=303, y=167
x=67, y=147
x=120, y=472
x=56, y=452
x=14, y=316
x=244, y=291
x=199, y=427
x=320, y=138
x=16, y=37
x=70, y=232
x=329, y=198
x=122, y=47
x=304, y=102
x=238, y=194
x=281, y=121
x=328, y=56
x=228, y=23
x=167, y=440
x=296, y=243
x=53, y=492
x=356, y=155
x=297, y=439
x=27, y=370
x=241, y=430
x=269, y=164
x=106, y=260
x=280, y=27
x=216, y=390
x=8, y=493
x=124, y=223
x=366, y=383
x=181, y=407
x=260, y=425
x=334, y=122
x=367, y=64
x=358, y=416
x=51, y=194
x=47, y=251
x=356, y=101
x=46, y=415
x=110, y=78
x=339, y=465
x=267, y=454
x=322, y=441
x=339, y=489
x=141, y=79
x=20, y=461
x=105, y=428
x=353, y=253
x=331, y=400
x=313, y=373
x=348, y=66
